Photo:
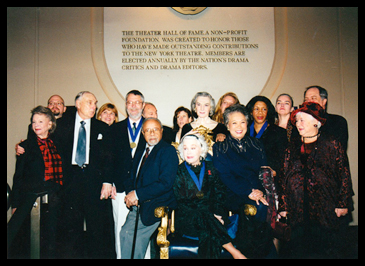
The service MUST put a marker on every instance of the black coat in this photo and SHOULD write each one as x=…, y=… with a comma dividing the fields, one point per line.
x=29, y=171
x=122, y=158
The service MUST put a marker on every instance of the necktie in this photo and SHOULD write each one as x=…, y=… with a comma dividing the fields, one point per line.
x=134, y=128
x=81, y=146
x=142, y=163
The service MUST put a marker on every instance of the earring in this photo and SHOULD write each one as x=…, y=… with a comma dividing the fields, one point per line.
x=315, y=125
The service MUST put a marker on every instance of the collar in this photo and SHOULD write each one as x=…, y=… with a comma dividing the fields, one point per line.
x=137, y=123
x=79, y=119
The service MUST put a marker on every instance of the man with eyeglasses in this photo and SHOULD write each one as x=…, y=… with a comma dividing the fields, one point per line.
x=149, y=186
x=57, y=105
x=127, y=141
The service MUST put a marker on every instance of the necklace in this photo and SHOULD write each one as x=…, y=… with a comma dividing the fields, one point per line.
x=311, y=136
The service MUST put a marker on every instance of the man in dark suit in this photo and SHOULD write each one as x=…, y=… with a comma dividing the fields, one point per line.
x=127, y=140
x=150, y=186
x=335, y=125
x=87, y=181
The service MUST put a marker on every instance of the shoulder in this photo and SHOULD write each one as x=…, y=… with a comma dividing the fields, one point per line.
x=336, y=117
x=220, y=147
x=98, y=123
x=276, y=129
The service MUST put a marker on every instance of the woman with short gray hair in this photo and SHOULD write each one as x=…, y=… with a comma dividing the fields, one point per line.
x=202, y=108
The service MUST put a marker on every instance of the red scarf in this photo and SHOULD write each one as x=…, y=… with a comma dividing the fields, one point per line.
x=52, y=160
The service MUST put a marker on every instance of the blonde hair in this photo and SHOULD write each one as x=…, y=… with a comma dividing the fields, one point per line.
x=218, y=114
x=200, y=139
x=108, y=106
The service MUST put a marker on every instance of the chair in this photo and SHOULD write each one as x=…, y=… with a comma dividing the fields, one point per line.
x=177, y=247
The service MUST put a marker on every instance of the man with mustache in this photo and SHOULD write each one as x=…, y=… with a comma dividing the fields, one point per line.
x=127, y=140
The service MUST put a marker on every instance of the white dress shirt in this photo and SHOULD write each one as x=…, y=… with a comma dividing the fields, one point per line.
x=133, y=151
x=76, y=137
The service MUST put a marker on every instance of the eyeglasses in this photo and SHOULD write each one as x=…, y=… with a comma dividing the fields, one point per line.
x=131, y=103
x=55, y=103
x=151, y=130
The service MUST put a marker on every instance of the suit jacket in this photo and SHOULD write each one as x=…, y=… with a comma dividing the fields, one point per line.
x=156, y=179
x=99, y=155
x=122, y=157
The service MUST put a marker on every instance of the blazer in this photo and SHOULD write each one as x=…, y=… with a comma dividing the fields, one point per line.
x=122, y=158
x=156, y=180
x=29, y=171
x=99, y=154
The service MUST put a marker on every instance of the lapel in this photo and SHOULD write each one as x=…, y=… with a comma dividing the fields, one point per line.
x=150, y=159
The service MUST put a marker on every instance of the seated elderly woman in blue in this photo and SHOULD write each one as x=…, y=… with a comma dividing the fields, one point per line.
x=200, y=196
x=239, y=159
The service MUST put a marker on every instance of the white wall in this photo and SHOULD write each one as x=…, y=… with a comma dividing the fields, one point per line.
x=49, y=52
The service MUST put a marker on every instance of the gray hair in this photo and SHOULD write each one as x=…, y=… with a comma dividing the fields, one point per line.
x=239, y=108
x=202, y=94
x=200, y=140
x=80, y=94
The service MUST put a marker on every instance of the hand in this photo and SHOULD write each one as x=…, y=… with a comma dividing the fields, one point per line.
x=219, y=218
x=272, y=170
x=106, y=191
x=283, y=214
x=131, y=199
x=341, y=211
x=258, y=195
x=220, y=137
x=19, y=149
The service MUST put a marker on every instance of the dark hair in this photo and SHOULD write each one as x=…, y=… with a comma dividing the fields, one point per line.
x=322, y=91
x=41, y=110
x=135, y=92
x=177, y=111
x=271, y=109
x=239, y=108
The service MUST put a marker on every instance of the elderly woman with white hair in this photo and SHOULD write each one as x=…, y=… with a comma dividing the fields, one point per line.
x=201, y=196
x=316, y=188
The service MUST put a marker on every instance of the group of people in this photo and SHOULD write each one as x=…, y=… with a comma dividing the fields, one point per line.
x=110, y=176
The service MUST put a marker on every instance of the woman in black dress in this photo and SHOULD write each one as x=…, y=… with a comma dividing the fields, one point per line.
x=201, y=198
x=202, y=107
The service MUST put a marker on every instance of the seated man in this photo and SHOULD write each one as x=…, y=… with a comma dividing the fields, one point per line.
x=150, y=186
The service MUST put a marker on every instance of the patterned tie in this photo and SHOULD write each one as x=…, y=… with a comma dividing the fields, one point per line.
x=81, y=146
x=143, y=161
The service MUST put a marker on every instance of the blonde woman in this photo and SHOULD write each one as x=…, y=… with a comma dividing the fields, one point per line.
x=108, y=113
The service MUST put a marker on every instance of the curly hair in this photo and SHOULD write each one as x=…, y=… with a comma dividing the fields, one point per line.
x=200, y=139
x=270, y=118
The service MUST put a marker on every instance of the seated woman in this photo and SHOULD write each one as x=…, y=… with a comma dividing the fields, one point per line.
x=239, y=159
x=201, y=195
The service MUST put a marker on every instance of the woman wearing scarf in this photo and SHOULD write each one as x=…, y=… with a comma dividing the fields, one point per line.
x=316, y=188
x=201, y=196
x=263, y=128
x=40, y=169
